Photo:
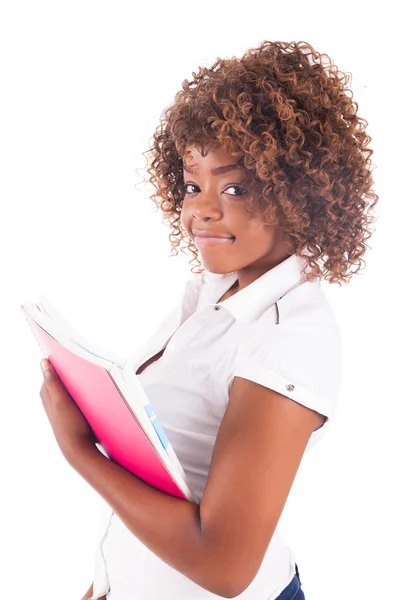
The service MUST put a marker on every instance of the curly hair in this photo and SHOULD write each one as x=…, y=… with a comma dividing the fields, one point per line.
x=295, y=129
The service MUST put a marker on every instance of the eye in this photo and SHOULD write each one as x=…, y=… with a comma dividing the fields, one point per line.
x=242, y=190
x=187, y=185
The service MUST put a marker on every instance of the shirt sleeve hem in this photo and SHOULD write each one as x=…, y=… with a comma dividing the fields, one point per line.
x=252, y=370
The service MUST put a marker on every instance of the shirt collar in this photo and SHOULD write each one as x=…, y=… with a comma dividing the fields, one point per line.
x=250, y=302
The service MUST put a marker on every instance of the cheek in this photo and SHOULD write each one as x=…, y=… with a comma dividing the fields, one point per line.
x=256, y=238
x=184, y=220
x=251, y=227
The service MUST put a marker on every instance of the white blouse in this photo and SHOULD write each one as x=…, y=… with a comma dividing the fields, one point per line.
x=280, y=331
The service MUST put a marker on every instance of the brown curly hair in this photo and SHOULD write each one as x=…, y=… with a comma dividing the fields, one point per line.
x=290, y=122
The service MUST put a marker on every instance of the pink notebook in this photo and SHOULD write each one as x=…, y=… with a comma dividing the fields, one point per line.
x=112, y=400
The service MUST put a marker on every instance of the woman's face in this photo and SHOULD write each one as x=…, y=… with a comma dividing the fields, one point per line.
x=215, y=204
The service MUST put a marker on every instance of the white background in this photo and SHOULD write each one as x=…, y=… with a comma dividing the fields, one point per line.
x=83, y=85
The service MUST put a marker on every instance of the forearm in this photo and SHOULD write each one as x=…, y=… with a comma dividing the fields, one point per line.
x=89, y=594
x=168, y=526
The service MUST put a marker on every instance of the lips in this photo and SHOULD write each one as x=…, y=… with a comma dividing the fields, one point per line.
x=213, y=234
x=205, y=242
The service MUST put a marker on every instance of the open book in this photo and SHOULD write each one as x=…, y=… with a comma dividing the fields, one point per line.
x=112, y=400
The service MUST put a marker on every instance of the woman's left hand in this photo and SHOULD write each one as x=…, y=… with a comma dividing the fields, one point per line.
x=72, y=431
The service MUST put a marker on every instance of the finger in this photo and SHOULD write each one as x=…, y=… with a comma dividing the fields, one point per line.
x=48, y=371
x=45, y=394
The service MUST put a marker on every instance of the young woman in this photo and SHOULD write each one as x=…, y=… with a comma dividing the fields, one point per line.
x=261, y=165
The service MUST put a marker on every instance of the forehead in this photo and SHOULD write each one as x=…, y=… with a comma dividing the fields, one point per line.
x=216, y=170
x=215, y=160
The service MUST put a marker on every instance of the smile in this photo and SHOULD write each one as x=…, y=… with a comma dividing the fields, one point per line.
x=205, y=242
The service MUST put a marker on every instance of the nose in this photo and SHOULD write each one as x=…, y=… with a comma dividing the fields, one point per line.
x=205, y=206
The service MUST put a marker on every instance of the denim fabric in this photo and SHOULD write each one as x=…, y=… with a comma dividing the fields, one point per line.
x=293, y=591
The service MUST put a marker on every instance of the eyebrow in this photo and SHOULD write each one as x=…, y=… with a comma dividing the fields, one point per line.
x=218, y=170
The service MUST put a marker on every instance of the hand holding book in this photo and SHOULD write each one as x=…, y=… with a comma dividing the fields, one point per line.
x=95, y=397
x=71, y=430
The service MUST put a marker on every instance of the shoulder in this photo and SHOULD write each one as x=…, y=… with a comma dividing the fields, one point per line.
x=304, y=316
x=295, y=348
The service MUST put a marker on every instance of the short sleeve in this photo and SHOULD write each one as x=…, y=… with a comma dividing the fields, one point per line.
x=302, y=362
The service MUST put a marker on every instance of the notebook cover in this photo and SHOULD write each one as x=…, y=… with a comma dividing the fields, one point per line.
x=111, y=418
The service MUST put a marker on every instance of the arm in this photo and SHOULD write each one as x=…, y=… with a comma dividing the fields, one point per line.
x=219, y=544
x=89, y=594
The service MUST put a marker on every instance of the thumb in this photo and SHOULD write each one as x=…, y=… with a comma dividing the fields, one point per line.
x=47, y=369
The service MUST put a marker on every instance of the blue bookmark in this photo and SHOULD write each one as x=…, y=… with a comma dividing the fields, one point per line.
x=157, y=425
